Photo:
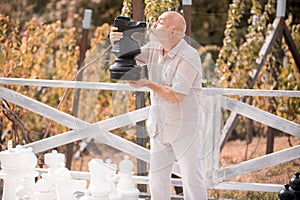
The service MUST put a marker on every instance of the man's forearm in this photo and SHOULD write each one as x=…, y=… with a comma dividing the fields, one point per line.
x=165, y=92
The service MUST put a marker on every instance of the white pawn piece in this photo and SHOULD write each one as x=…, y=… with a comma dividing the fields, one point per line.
x=65, y=186
x=126, y=186
x=17, y=164
x=100, y=187
x=43, y=189
x=53, y=160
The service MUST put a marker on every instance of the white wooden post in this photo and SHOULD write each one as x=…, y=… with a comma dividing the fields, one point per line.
x=87, y=19
x=281, y=6
x=186, y=2
x=210, y=124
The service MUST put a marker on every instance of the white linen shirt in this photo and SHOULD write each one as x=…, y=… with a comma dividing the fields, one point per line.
x=179, y=69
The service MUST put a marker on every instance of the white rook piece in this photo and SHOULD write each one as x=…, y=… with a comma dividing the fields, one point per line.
x=87, y=18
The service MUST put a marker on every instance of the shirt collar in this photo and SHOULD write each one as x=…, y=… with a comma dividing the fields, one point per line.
x=174, y=51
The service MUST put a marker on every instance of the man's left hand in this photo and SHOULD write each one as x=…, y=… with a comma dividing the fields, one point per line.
x=139, y=83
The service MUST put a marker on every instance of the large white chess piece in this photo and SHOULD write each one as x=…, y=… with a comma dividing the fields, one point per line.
x=44, y=189
x=58, y=184
x=100, y=187
x=18, y=164
x=65, y=185
x=53, y=160
x=126, y=187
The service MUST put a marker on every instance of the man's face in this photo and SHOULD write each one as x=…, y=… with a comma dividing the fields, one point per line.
x=160, y=31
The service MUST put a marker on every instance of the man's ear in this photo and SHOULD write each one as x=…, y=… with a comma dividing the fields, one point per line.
x=172, y=32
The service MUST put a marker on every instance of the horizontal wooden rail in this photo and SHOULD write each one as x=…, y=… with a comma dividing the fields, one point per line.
x=126, y=87
x=260, y=187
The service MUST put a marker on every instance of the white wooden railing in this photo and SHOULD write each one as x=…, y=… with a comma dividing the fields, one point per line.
x=100, y=130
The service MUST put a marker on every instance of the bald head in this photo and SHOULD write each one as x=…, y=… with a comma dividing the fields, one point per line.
x=175, y=21
x=169, y=29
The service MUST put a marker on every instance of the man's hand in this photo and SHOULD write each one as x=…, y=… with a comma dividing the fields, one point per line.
x=114, y=35
x=139, y=83
x=163, y=91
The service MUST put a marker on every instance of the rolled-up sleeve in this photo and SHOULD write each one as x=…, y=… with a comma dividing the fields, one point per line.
x=186, y=73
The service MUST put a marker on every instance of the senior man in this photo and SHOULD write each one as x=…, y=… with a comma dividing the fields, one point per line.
x=174, y=79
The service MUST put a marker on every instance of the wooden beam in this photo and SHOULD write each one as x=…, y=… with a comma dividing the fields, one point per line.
x=292, y=46
x=262, y=116
x=259, y=187
x=273, y=34
x=84, y=43
x=259, y=163
x=141, y=133
x=89, y=131
x=187, y=14
x=41, y=109
x=138, y=10
x=124, y=145
x=127, y=87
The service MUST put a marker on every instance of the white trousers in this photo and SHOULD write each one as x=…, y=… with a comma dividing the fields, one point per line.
x=162, y=157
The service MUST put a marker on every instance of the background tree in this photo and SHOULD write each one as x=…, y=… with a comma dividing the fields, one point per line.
x=45, y=51
x=236, y=62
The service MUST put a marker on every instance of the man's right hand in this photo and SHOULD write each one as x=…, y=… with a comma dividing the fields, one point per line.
x=114, y=35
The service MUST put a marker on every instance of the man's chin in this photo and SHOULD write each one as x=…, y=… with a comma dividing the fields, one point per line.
x=153, y=38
